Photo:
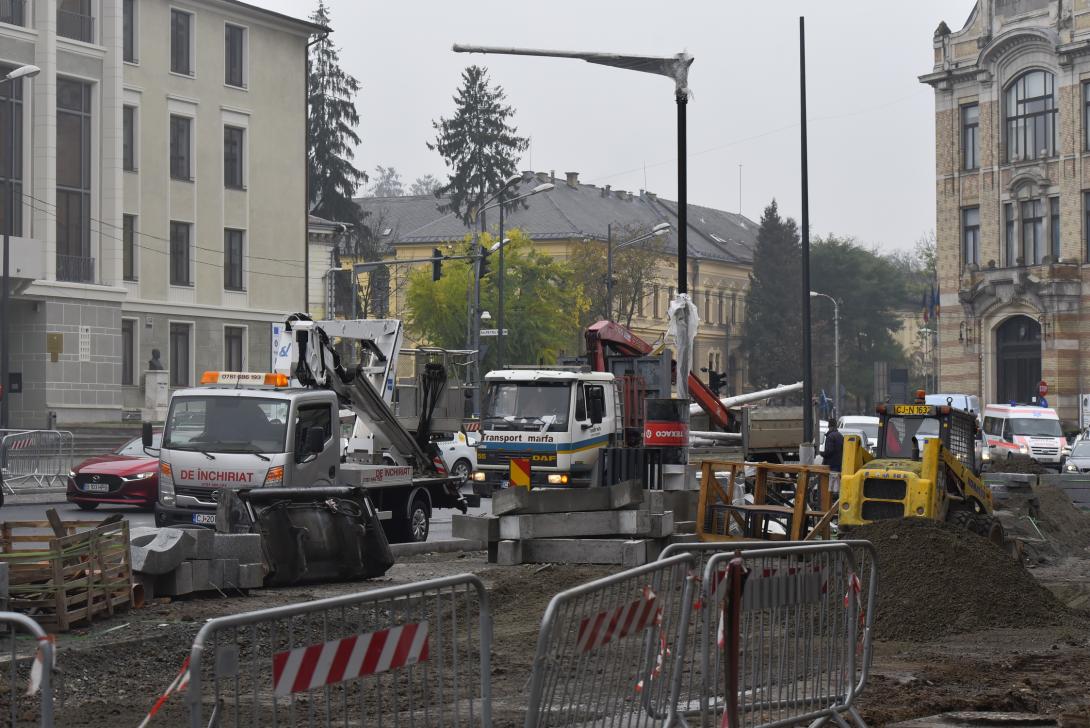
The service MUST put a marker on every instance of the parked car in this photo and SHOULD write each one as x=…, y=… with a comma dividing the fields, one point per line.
x=127, y=476
x=460, y=454
x=1079, y=459
x=860, y=423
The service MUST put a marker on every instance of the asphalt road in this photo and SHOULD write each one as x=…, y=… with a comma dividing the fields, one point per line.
x=440, y=524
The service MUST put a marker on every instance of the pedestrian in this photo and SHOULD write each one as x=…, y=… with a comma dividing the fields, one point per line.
x=832, y=454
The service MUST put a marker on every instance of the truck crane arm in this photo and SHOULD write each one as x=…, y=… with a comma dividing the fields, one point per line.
x=316, y=363
x=610, y=335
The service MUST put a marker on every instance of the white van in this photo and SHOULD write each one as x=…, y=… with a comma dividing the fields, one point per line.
x=1024, y=430
x=967, y=402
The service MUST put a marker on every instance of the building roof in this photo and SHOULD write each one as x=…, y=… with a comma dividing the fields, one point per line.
x=272, y=14
x=571, y=210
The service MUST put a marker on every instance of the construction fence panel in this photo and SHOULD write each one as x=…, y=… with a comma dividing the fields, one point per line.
x=701, y=689
x=610, y=651
x=414, y=655
x=26, y=680
x=36, y=458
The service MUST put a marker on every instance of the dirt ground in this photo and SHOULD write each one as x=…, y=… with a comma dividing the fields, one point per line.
x=110, y=677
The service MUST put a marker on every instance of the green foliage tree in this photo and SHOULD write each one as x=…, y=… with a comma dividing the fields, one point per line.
x=478, y=144
x=331, y=125
x=772, y=330
x=635, y=270
x=543, y=305
x=872, y=290
x=425, y=185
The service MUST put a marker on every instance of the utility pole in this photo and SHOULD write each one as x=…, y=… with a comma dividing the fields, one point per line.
x=807, y=383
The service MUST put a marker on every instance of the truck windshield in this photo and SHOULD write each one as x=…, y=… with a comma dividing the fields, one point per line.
x=1034, y=427
x=535, y=406
x=227, y=424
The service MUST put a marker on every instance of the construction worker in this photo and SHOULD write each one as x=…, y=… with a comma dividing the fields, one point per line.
x=832, y=455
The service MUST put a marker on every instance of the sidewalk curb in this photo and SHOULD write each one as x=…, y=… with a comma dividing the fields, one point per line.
x=436, y=547
x=46, y=495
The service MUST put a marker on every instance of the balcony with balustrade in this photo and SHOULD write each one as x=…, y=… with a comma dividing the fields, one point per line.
x=76, y=25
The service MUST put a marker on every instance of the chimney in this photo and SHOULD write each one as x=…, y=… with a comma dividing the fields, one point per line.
x=527, y=175
x=573, y=179
x=605, y=190
x=620, y=194
x=552, y=175
x=543, y=176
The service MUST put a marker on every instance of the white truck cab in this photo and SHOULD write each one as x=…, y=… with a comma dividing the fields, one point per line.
x=222, y=436
x=558, y=419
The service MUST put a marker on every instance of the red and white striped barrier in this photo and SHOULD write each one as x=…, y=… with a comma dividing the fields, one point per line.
x=314, y=666
x=615, y=624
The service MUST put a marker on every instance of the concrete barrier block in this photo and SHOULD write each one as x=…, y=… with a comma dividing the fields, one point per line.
x=251, y=576
x=245, y=548
x=163, y=553
x=662, y=524
x=509, y=553
x=177, y=583
x=683, y=503
x=475, y=528
x=223, y=573
x=203, y=541
x=566, y=525
x=201, y=573
x=685, y=527
x=512, y=501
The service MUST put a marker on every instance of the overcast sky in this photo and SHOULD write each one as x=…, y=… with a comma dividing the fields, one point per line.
x=871, y=121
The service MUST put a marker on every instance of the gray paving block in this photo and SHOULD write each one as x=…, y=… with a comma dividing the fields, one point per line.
x=565, y=500
x=204, y=541
x=616, y=551
x=177, y=583
x=201, y=572
x=662, y=524
x=683, y=503
x=475, y=528
x=223, y=573
x=243, y=547
x=565, y=525
x=164, y=552
x=685, y=527
x=251, y=576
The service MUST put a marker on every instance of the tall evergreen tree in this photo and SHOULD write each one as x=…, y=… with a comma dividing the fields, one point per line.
x=478, y=144
x=772, y=330
x=332, y=129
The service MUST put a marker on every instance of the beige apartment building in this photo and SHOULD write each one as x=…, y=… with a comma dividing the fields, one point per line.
x=160, y=205
x=1012, y=152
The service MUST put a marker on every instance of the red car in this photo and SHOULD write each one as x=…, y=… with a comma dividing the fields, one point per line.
x=127, y=476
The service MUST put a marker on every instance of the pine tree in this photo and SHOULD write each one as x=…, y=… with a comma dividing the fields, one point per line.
x=332, y=130
x=387, y=182
x=772, y=330
x=478, y=145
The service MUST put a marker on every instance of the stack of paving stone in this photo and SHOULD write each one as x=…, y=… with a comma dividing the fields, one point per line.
x=620, y=524
x=170, y=562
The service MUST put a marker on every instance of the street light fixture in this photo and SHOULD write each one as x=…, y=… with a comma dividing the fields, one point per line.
x=28, y=71
x=656, y=232
x=836, y=347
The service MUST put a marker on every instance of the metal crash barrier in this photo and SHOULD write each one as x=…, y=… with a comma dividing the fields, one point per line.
x=27, y=678
x=35, y=458
x=810, y=635
x=417, y=654
x=610, y=651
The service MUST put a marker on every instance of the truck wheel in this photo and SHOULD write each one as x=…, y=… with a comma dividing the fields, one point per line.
x=990, y=528
x=419, y=522
x=961, y=519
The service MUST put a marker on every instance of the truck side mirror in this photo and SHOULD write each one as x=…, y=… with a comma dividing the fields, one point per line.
x=146, y=434
x=315, y=439
x=597, y=409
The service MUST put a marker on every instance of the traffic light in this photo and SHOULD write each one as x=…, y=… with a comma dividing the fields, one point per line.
x=716, y=381
x=482, y=270
x=436, y=264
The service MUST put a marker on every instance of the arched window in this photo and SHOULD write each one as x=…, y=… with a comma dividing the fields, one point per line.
x=1031, y=116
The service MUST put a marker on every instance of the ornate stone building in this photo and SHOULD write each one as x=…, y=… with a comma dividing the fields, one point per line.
x=1012, y=158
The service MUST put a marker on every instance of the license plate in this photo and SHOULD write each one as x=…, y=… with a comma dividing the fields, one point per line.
x=96, y=488
x=204, y=519
x=912, y=409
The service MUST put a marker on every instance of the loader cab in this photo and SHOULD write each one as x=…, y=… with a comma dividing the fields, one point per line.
x=904, y=430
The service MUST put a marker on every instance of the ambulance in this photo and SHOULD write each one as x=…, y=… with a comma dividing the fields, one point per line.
x=1020, y=429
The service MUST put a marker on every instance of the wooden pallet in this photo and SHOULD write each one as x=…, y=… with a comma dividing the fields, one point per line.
x=63, y=573
x=781, y=494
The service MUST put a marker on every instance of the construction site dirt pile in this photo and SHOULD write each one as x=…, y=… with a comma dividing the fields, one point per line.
x=936, y=579
x=1067, y=527
x=1018, y=464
